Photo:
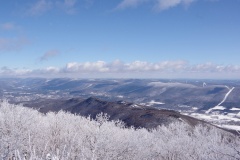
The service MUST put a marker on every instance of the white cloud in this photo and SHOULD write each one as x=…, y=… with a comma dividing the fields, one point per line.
x=40, y=7
x=213, y=68
x=5, y=71
x=130, y=3
x=13, y=39
x=49, y=54
x=8, y=26
x=158, y=5
x=136, y=69
x=12, y=44
x=68, y=6
x=70, y=3
x=88, y=3
x=52, y=69
x=118, y=66
x=99, y=66
x=166, y=4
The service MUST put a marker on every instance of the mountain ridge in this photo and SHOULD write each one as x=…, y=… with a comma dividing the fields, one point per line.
x=131, y=114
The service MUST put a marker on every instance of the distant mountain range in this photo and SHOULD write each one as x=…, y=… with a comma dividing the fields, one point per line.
x=131, y=114
x=216, y=101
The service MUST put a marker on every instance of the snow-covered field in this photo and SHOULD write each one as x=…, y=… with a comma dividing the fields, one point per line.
x=225, y=121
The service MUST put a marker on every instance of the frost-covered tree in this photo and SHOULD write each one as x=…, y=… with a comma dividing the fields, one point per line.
x=27, y=134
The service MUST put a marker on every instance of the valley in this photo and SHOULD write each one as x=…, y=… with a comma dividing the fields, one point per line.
x=215, y=101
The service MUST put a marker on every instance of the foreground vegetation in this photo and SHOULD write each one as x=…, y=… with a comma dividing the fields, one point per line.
x=27, y=134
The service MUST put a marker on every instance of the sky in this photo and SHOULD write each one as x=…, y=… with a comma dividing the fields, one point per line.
x=120, y=38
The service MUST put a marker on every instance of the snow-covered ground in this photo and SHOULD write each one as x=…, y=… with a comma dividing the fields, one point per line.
x=120, y=96
x=152, y=102
x=136, y=106
x=233, y=127
x=229, y=121
x=215, y=108
x=235, y=109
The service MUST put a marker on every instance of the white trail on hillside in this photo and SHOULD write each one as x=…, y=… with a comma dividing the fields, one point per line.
x=224, y=99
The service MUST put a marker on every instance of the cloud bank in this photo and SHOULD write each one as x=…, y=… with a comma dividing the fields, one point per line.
x=136, y=69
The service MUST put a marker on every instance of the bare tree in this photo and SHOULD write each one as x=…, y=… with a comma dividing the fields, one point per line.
x=27, y=134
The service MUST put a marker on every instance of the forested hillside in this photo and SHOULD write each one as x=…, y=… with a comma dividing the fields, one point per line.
x=26, y=133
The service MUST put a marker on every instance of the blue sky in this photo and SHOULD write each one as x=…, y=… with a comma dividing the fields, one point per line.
x=120, y=38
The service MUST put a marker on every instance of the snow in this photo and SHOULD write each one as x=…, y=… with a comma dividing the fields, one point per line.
x=170, y=84
x=183, y=106
x=215, y=108
x=47, y=80
x=154, y=102
x=204, y=84
x=233, y=127
x=120, y=96
x=79, y=137
x=235, y=109
x=227, y=87
x=231, y=114
x=123, y=102
x=238, y=115
x=219, y=107
x=181, y=119
x=217, y=119
x=227, y=94
x=88, y=86
x=136, y=106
